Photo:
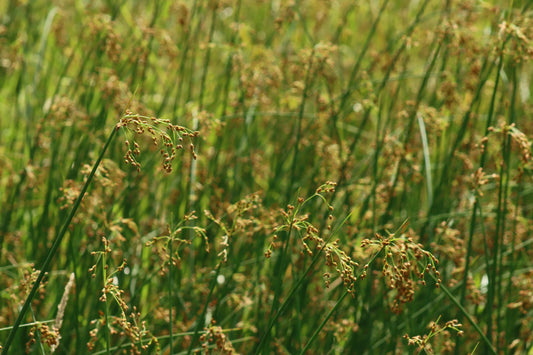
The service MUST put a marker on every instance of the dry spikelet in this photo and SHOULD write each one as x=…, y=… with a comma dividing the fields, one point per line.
x=61, y=311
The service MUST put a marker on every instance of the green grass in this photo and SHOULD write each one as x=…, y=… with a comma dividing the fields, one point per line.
x=266, y=177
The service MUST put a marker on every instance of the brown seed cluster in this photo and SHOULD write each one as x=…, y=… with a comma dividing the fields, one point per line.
x=521, y=141
x=405, y=264
x=237, y=220
x=123, y=325
x=312, y=239
x=48, y=336
x=479, y=178
x=109, y=41
x=215, y=335
x=438, y=340
x=162, y=132
x=176, y=237
x=343, y=264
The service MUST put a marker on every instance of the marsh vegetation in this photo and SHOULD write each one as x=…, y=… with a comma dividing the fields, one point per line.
x=229, y=176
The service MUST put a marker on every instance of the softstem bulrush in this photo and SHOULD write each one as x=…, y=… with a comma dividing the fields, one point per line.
x=142, y=125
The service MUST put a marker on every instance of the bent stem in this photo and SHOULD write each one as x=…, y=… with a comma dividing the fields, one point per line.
x=296, y=285
x=330, y=313
x=465, y=313
x=55, y=245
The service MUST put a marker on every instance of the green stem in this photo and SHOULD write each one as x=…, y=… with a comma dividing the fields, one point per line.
x=478, y=329
x=170, y=252
x=55, y=247
x=295, y=287
x=300, y=119
x=330, y=313
x=106, y=305
x=200, y=321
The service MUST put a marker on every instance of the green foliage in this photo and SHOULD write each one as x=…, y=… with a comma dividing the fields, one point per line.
x=223, y=176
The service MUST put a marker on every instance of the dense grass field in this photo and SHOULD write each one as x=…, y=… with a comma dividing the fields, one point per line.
x=266, y=177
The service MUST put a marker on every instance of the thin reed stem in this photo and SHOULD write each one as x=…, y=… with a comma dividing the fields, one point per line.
x=55, y=246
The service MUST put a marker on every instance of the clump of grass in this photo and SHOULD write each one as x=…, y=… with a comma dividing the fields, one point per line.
x=424, y=343
x=215, y=238
x=162, y=132
x=405, y=263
